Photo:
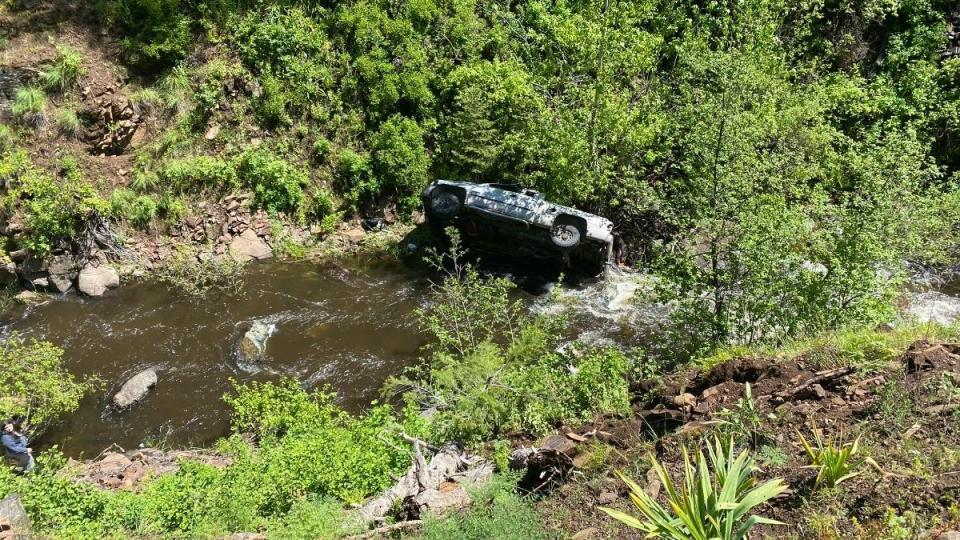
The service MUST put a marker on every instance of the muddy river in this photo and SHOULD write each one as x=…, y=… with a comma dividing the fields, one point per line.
x=346, y=325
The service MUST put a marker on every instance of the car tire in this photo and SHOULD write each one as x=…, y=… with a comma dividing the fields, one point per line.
x=445, y=204
x=565, y=235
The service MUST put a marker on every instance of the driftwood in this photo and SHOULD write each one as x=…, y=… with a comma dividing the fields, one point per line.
x=428, y=485
x=819, y=377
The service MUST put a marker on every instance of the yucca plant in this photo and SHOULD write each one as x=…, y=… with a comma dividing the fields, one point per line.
x=834, y=459
x=714, y=501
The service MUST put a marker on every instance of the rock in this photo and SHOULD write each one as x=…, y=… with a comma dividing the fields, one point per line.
x=249, y=246
x=112, y=464
x=254, y=342
x=27, y=297
x=560, y=443
x=41, y=282
x=14, y=517
x=949, y=535
x=246, y=536
x=586, y=534
x=354, y=235
x=607, y=497
x=63, y=270
x=136, y=388
x=211, y=133
x=685, y=400
x=95, y=280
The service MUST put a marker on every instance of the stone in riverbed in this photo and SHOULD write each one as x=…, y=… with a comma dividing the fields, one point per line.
x=95, y=280
x=254, y=343
x=136, y=388
x=249, y=246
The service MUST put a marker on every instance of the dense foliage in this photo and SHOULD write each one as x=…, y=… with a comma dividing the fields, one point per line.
x=306, y=445
x=35, y=389
x=495, y=368
x=775, y=161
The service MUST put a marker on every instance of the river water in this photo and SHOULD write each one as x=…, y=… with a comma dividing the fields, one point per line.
x=346, y=325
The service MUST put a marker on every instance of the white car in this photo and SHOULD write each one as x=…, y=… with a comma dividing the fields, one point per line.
x=496, y=217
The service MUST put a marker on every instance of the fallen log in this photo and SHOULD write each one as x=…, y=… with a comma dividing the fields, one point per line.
x=380, y=531
x=819, y=377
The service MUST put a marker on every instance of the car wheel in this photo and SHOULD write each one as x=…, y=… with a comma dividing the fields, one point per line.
x=445, y=204
x=565, y=235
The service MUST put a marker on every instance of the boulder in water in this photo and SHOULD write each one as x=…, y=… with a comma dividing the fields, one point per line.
x=95, y=280
x=136, y=388
x=254, y=341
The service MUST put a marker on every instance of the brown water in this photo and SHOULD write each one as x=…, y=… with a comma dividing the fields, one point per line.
x=346, y=325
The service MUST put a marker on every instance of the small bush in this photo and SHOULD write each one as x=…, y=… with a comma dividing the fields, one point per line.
x=7, y=139
x=198, y=173
x=714, y=501
x=142, y=211
x=834, y=459
x=28, y=107
x=400, y=160
x=147, y=100
x=498, y=512
x=194, y=276
x=66, y=70
x=51, y=209
x=68, y=123
x=36, y=387
x=277, y=185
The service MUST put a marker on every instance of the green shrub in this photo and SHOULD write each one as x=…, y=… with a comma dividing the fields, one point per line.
x=68, y=123
x=51, y=209
x=66, y=70
x=199, y=173
x=277, y=184
x=172, y=209
x=158, y=32
x=311, y=518
x=120, y=203
x=197, y=276
x=7, y=139
x=496, y=368
x=498, y=512
x=715, y=499
x=147, y=100
x=28, y=107
x=400, y=160
x=142, y=211
x=355, y=177
x=36, y=386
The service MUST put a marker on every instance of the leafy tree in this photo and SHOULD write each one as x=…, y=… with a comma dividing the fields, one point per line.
x=34, y=385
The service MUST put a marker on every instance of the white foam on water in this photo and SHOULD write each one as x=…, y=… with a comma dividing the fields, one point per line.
x=934, y=306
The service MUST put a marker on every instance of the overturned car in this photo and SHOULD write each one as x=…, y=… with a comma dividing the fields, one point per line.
x=509, y=219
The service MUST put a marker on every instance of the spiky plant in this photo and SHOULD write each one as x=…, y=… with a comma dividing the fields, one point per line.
x=28, y=107
x=715, y=500
x=68, y=123
x=834, y=459
x=66, y=70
